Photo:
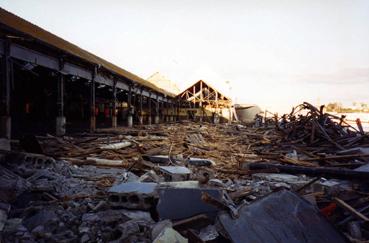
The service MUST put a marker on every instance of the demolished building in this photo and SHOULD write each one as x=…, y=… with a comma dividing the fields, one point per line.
x=302, y=177
x=203, y=102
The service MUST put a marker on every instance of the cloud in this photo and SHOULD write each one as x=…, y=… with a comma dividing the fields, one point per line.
x=347, y=76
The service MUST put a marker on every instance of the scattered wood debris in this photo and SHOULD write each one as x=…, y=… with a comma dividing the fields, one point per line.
x=102, y=186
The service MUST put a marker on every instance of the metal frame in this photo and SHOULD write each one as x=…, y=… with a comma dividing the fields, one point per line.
x=38, y=58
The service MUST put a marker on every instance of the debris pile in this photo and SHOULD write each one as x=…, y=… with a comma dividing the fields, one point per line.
x=317, y=128
x=303, y=178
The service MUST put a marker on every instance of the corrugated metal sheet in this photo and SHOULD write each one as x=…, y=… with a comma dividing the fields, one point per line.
x=21, y=25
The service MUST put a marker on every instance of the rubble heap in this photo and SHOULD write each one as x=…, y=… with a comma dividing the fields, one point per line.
x=310, y=125
x=303, y=178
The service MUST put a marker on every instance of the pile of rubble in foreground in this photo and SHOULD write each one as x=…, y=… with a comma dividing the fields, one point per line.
x=303, y=178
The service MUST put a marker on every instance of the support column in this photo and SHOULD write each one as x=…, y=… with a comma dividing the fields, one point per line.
x=60, y=119
x=157, y=108
x=178, y=109
x=130, y=108
x=114, y=108
x=5, y=122
x=140, y=118
x=171, y=111
x=149, y=113
x=93, y=101
x=168, y=112
x=164, y=112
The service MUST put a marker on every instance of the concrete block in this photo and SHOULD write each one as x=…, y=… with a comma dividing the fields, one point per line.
x=133, y=195
x=175, y=173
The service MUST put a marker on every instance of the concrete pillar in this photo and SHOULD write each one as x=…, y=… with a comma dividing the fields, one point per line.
x=156, y=119
x=178, y=105
x=93, y=101
x=167, y=112
x=5, y=119
x=60, y=125
x=130, y=108
x=157, y=109
x=163, y=112
x=149, y=113
x=114, y=121
x=140, y=117
x=173, y=111
x=92, y=123
x=114, y=108
x=130, y=120
x=60, y=119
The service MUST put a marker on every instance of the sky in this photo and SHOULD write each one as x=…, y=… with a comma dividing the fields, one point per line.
x=274, y=53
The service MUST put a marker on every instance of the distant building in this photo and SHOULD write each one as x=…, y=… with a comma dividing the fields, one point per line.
x=164, y=83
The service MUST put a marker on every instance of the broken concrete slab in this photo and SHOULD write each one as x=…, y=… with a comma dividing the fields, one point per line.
x=133, y=195
x=134, y=187
x=208, y=233
x=292, y=180
x=128, y=228
x=46, y=217
x=279, y=217
x=29, y=160
x=187, y=199
x=11, y=185
x=179, y=184
x=175, y=173
x=278, y=177
x=149, y=176
x=170, y=235
x=159, y=227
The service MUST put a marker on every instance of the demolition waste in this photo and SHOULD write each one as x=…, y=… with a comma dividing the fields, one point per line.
x=302, y=177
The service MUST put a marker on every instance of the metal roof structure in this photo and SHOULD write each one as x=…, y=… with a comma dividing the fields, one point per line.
x=37, y=34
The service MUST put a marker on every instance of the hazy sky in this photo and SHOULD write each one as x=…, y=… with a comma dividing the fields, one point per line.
x=274, y=53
